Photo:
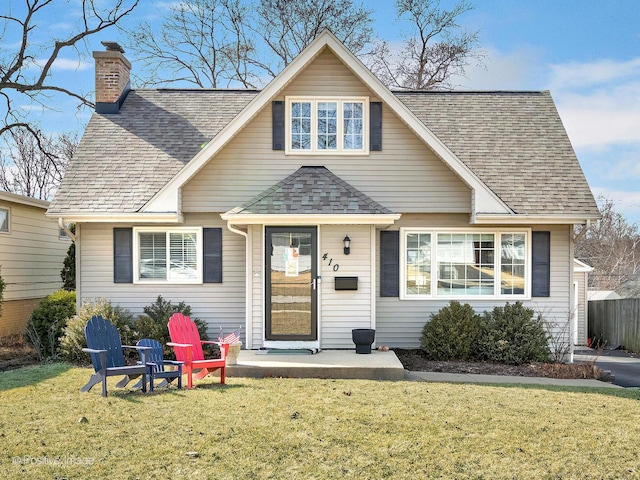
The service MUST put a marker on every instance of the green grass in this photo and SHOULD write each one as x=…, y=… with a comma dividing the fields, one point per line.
x=321, y=429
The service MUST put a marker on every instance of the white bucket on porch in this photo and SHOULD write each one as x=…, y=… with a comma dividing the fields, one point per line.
x=234, y=351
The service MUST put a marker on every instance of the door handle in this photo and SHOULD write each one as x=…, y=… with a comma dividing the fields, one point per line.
x=313, y=283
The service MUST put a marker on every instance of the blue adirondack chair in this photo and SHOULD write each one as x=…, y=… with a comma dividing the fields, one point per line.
x=156, y=363
x=105, y=348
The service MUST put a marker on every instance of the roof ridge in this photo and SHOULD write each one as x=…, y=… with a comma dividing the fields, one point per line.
x=464, y=92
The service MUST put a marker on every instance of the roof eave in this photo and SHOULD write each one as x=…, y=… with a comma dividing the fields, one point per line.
x=23, y=200
x=523, y=219
x=109, y=217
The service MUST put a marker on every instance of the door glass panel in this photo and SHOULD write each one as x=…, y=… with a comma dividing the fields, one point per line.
x=292, y=293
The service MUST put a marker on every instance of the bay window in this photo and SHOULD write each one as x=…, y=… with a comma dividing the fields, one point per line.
x=326, y=125
x=464, y=264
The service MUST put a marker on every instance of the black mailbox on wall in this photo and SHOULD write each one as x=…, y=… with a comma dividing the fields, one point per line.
x=346, y=283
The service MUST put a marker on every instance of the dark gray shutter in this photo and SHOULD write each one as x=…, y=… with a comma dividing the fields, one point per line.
x=540, y=264
x=212, y=255
x=122, y=255
x=389, y=263
x=277, y=124
x=375, y=126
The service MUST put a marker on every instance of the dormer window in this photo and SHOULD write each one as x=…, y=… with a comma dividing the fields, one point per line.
x=327, y=125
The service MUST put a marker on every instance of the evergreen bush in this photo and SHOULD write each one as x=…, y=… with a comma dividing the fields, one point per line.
x=451, y=333
x=513, y=335
x=153, y=324
x=73, y=339
x=68, y=272
x=46, y=324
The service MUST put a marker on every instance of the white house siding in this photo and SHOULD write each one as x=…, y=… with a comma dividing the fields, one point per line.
x=257, y=269
x=219, y=304
x=405, y=176
x=343, y=310
x=31, y=258
x=399, y=323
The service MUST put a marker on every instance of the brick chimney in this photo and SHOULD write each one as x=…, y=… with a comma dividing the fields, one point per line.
x=112, y=78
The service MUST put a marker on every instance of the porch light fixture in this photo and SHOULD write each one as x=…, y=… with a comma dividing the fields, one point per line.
x=347, y=245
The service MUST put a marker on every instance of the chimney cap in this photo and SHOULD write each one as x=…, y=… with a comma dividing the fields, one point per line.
x=113, y=46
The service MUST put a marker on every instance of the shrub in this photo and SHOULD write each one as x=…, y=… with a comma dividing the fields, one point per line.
x=452, y=333
x=73, y=339
x=47, y=322
x=154, y=323
x=68, y=272
x=513, y=335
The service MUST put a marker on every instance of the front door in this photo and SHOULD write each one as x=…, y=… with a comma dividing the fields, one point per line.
x=291, y=289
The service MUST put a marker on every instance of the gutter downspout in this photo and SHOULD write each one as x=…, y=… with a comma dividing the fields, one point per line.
x=248, y=285
x=66, y=230
x=583, y=231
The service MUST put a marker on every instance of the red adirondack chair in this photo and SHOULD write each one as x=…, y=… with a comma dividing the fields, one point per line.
x=185, y=340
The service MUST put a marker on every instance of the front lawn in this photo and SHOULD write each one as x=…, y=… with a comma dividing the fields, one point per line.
x=297, y=428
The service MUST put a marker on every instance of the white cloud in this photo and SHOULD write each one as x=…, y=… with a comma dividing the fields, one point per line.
x=67, y=64
x=574, y=75
x=599, y=102
x=516, y=70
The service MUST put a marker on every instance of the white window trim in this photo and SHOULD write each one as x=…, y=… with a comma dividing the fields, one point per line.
x=433, y=295
x=314, y=126
x=8, y=230
x=166, y=231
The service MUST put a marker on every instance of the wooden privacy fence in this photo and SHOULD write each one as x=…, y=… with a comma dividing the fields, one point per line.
x=616, y=322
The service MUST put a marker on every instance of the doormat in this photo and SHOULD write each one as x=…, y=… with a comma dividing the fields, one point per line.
x=287, y=351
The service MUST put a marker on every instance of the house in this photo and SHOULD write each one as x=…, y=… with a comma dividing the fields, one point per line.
x=627, y=289
x=32, y=253
x=324, y=202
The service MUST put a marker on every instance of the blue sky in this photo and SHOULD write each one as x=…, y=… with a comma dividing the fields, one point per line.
x=587, y=53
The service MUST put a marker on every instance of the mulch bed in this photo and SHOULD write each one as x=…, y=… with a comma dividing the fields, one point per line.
x=16, y=353
x=414, y=360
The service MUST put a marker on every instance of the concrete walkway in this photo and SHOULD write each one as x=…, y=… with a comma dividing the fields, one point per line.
x=375, y=366
x=325, y=364
x=474, y=378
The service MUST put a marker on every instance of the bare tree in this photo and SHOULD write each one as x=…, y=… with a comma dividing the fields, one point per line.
x=33, y=165
x=287, y=27
x=26, y=71
x=611, y=246
x=227, y=43
x=203, y=42
x=434, y=50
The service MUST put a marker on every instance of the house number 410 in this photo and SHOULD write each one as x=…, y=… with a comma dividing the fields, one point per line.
x=325, y=257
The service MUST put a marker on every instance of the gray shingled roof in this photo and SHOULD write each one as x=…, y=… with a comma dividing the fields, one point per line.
x=513, y=141
x=124, y=159
x=311, y=190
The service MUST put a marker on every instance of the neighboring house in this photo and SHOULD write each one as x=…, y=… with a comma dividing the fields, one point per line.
x=32, y=253
x=595, y=295
x=628, y=289
x=240, y=203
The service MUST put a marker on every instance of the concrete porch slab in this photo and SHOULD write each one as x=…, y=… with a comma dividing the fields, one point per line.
x=324, y=364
